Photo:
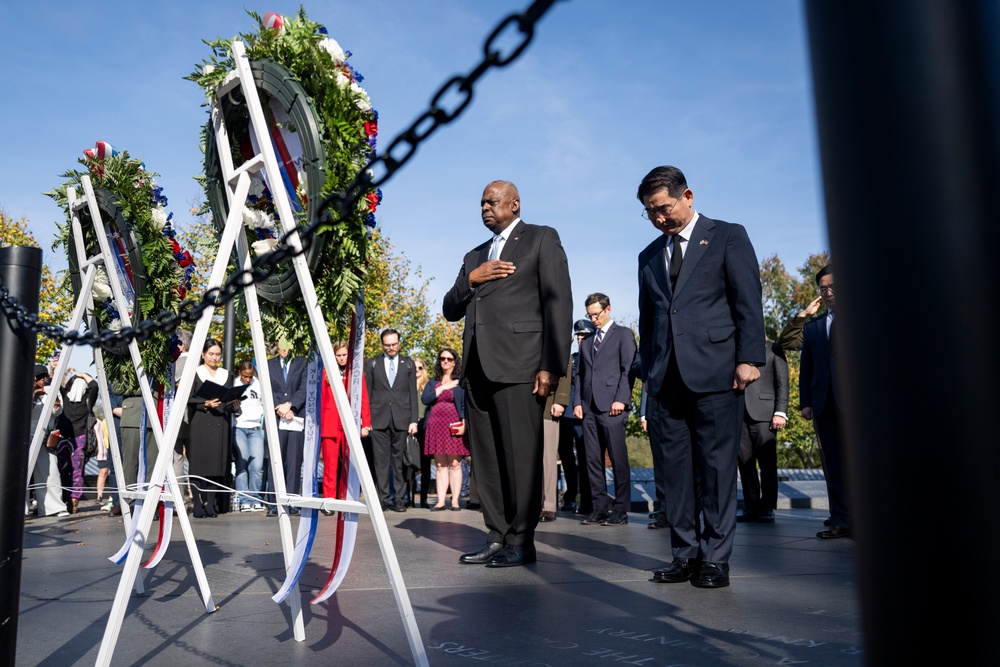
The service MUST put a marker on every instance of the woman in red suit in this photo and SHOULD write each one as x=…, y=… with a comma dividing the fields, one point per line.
x=333, y=442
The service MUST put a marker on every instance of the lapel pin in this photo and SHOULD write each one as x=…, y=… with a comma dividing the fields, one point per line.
x=703, y=242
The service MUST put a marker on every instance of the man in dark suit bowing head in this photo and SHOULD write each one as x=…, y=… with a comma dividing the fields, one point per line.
x=701, y=341
x=514, y=293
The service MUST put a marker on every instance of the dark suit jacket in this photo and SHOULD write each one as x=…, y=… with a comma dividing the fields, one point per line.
x=815, y=366
x=292, y=390
x=769, y=394
x=606, y=377
x=713, y=320
x=520, y=322
x=394, y=406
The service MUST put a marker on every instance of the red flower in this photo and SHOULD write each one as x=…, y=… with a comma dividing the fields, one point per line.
x=372, y=198
x=371, y=128
x=185, y=259
x=175, y=247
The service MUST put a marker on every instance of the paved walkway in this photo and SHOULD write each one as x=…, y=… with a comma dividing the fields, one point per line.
x=588, y=600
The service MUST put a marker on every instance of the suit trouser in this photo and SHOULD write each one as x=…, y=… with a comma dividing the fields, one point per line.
x=505, y=437
x=291, y=444
x=550, y=463
x=602, y=432
x=828, y=429
x=130, y=456
x=758, y=447
x=700, y=437
x=388, y=445
x=573, y=453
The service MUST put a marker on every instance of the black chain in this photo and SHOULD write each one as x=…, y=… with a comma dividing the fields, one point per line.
x=376, y=173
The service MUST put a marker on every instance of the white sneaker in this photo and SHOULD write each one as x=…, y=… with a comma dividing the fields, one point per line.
x=246, y=508
x=256, y=508
x=107, y=508
x=63, y=513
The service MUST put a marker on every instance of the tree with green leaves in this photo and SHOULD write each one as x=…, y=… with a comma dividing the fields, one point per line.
x=55, y=305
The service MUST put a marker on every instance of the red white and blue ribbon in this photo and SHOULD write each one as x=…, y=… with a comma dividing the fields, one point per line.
x=308, y=516
x=288, y=149
x=349, y=484
x=101, y=151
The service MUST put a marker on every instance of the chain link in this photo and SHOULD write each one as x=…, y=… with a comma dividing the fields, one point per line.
x=377, y=172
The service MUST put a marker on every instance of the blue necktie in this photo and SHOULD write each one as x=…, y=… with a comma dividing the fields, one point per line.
x=495, y=248
x=284, y=369
x=392, y=370
x=598, y=341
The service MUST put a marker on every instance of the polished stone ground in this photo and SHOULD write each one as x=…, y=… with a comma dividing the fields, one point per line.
x=587, y=601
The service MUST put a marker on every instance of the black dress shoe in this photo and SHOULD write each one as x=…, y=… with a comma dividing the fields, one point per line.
x=545, y=517
x=767, y=516
x=480, y=557
x=512, y=556
x=712, y=575
x=679, y=571
x=473, y=506
x=438, y=508
x=568, y=507
x=399, y=506
x=745, y=516
x=616, y=518
x=659, y=522
x=596, y=518
x=271, y=511
x=835, y=532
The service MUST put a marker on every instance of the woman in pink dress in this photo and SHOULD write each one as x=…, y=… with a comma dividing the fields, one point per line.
x=444, y=437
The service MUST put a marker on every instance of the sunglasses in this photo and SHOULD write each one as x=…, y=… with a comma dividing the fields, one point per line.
x=446, y=358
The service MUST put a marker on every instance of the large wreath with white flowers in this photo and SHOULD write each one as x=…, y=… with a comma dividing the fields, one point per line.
x=154, y=270
x=324, y=131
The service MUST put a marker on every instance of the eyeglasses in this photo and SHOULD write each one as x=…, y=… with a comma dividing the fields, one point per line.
x=659, y=211
x=446, y=358
x=390, y=344
x=420, y=368
x=594, y=316
x=826, y=290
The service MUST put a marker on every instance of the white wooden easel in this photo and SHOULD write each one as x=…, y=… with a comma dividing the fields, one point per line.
x=237, y=182
x=89, y=267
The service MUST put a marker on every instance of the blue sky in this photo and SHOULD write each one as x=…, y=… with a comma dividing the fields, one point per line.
x=606, y=91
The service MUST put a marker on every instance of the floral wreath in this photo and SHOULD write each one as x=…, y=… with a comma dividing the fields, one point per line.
x=346, y=126
x=155, y=268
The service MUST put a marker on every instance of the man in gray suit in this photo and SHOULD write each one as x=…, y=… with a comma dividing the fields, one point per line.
x=602, y=402
x=391, y=379
x=701, y=340
x=765, y=414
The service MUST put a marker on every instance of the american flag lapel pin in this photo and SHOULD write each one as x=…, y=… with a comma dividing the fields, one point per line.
x=703, y=242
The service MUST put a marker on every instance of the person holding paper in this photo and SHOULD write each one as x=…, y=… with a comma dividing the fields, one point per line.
x=209, y=417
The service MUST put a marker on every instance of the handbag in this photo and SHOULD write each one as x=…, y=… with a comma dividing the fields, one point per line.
x=411, y=452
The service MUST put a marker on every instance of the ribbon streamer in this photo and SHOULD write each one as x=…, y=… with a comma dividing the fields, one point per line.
x=308, y=516
x=349, y=485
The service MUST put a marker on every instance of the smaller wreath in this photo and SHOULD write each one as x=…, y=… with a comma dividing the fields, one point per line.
x=153, y=268
x=336, y=128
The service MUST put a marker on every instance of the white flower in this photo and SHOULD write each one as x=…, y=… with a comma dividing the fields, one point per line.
x=257, y=185
x=342, y=80
x=331, y=46
x=116, y=325
x=264, y=246
x=249, y=219
x=100, y=292
x=159, y=218
x=361, y=101
x=208, y=69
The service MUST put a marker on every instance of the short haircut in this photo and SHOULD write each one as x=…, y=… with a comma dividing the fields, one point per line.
x=247, y=365
x=507, y=185
x=825, y=271
x=339, y=345
x=389, y=332
x=185, y=338
x=598, y=298
x=666, y=178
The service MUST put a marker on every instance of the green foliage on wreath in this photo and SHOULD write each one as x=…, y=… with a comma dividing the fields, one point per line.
x=133, y=187
x=348, y=127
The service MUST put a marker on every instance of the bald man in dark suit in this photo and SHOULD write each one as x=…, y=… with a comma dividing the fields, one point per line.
x=514, y=293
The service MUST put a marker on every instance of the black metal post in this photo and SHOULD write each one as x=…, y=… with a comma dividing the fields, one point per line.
x=21, y=274
x=908, y=108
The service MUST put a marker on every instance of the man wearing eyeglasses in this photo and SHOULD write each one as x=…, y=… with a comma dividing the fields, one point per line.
x=391, y=379
x=514, y=292
x=701, y=341
x=818, y=389
x=602, y=402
